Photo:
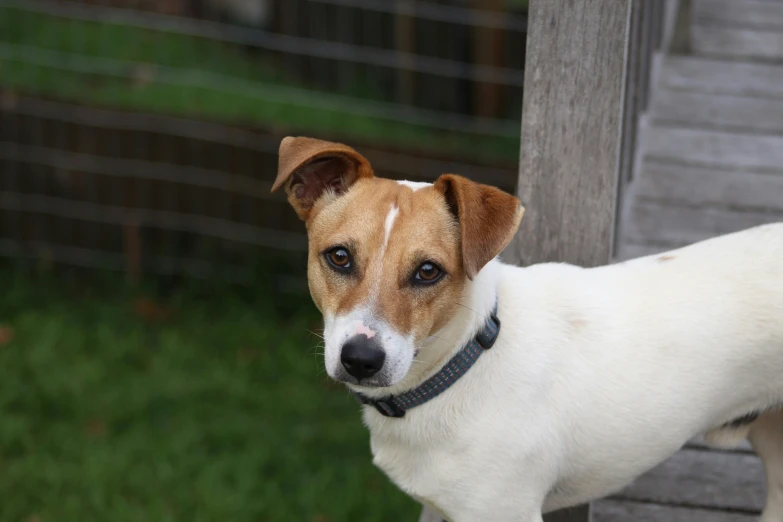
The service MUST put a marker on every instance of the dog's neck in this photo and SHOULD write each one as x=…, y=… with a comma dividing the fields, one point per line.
x=479, y=297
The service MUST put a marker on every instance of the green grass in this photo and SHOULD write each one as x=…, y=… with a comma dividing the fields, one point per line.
x=157, y=71
x=220, y=412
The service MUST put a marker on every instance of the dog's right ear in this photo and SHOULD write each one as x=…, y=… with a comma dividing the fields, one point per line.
x=310, y=168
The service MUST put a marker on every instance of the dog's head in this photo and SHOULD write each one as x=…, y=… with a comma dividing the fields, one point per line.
x=388, y=261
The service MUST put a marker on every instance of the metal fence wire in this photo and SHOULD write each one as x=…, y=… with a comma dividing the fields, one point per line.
x=141, y=135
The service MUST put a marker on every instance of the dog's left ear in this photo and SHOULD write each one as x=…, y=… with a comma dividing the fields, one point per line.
x=488, y=218
x=310, y=168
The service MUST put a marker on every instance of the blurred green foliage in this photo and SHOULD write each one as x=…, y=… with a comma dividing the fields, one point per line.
x=120, y=66
x=117, y=406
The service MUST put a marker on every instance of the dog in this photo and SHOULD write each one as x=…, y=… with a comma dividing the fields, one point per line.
x=499, y=393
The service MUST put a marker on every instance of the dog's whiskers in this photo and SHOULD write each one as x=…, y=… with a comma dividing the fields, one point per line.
x=468, y=308
x=316, y=334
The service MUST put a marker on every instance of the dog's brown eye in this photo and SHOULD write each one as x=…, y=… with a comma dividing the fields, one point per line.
x=339, y=258
x=428, y=273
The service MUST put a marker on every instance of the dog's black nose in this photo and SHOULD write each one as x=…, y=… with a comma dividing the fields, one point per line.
x=362, y=357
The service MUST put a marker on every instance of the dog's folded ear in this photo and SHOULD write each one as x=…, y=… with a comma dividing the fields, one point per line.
x=488, y=218
x=310, y=168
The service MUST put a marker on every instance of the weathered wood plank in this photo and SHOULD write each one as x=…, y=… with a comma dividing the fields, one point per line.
x=571, y=130
x=702, y=186
x=718, y=111
x=571, y=136
x=673, y=13
x=674, y=226
x=749, y=13
x=703, y=479
x=722, y=76
x=711, y=148
x=737, y=42
x=629, y=511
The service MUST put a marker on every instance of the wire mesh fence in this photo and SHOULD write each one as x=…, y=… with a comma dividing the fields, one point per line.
x=142, y=135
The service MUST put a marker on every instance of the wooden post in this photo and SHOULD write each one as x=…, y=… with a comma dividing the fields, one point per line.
x=571, y=130
x=571, y=136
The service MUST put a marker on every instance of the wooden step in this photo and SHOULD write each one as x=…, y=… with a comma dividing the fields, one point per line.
x=704, y=148
x=758, y=14
x=674, y=205
x=754, y=44
x=720, y=111
x=693, y=186
x=722, y=77
x=703, y=479
x=672, y=226
x=627, y=511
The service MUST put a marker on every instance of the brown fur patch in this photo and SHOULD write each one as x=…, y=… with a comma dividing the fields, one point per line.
x=488, y=218
x=309, y=168
x=457, y=224
x=665, y=258
x=577, y=323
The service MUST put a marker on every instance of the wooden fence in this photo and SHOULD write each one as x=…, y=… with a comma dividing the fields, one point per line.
x=141, y=135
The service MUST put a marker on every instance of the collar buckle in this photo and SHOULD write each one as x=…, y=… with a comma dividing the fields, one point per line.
x=388, y=407
x=489, y=334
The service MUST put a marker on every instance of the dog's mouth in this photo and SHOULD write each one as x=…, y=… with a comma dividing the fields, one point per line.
x=376, y=381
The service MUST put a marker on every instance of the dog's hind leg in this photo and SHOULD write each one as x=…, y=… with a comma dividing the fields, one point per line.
x=766, y=437
x=732, y=434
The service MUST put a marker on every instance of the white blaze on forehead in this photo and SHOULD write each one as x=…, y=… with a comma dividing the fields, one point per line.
x=415, y=185
x=377, y=266
x=389, y=223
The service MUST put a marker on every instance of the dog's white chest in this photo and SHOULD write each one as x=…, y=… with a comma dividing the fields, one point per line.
x=407, y=464
x=427, y=468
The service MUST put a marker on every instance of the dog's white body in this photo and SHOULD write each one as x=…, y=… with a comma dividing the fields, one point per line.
x=597, y=376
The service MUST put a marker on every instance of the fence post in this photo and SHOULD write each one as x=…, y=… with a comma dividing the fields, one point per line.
x=571, y=135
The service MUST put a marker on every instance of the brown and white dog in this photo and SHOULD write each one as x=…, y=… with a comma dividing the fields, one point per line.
x=597, y=375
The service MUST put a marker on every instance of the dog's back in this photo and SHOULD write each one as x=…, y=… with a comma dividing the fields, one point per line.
x=659, y=349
